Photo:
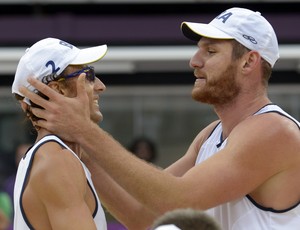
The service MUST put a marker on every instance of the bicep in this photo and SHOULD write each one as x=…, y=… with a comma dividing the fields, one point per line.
x=76, y=216
x=215, y=181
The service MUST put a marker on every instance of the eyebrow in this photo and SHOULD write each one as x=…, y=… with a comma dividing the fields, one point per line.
x=211, y=41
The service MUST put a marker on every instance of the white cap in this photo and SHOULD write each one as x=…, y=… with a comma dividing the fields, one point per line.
x=51, y=55
x=167, y=227
x=247, y=27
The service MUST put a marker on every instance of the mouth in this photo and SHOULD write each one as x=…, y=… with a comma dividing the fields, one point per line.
x=96, y=101
x=199, y=74
x=200, y=77
x=200, y=81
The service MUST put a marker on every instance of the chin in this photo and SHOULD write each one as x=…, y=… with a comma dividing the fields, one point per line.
x=97, y=118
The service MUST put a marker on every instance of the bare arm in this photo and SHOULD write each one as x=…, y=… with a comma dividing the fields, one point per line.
x=121, y=204
x=117, y=201
x=203, y=186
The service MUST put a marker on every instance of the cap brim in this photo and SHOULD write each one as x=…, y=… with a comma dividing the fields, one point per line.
x=195, y=31
x=90, y=55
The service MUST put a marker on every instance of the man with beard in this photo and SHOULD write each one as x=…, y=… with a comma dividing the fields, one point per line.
x=243, y=169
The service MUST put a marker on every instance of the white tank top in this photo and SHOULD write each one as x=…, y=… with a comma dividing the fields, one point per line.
x=245, y=213
x=20, y=220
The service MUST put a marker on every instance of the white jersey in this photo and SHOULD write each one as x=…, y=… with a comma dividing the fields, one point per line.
x=245, y=213
x=20, y=220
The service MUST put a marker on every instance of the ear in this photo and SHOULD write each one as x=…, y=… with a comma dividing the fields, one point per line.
x=55, y=85
x=250, y=61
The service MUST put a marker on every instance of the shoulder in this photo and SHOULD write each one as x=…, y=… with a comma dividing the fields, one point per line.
x=50, y=153
x=54, y=166
x=269, y=125
x=267, y=136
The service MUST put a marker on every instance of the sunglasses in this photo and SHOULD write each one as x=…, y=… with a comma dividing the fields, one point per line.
x=89, y=74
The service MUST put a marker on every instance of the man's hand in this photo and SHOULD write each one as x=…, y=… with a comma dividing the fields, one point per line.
x=64, y=116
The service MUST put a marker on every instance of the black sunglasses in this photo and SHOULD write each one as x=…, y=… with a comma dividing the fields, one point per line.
x=89, y=72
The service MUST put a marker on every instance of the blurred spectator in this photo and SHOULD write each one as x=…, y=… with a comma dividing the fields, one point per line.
x=6, y=211
x=143, y=148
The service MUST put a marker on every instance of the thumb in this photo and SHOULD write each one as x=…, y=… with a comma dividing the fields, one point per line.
x=81, y=92
x=82, y=96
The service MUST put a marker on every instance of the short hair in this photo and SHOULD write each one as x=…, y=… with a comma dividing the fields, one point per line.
x=238, y=50
x=187, y=219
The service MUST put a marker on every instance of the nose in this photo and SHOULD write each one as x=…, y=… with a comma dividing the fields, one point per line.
x=99, y=85
x=196, y=61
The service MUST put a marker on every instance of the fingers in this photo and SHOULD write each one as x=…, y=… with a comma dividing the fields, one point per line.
x=33, y=97
x=43, y=124
x=40, y=113
x=40, y=123
x=81, y=93
x=46, y=90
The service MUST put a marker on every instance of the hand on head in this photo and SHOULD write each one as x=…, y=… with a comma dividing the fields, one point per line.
x=60, y=114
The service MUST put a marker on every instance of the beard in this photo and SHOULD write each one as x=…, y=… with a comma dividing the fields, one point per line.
x=220, y=91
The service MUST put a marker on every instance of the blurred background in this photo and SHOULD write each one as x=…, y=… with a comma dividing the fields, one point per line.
x=146, y=69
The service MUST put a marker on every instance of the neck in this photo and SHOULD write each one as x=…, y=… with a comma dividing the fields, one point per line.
x=72, y=145
x=237, y=111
